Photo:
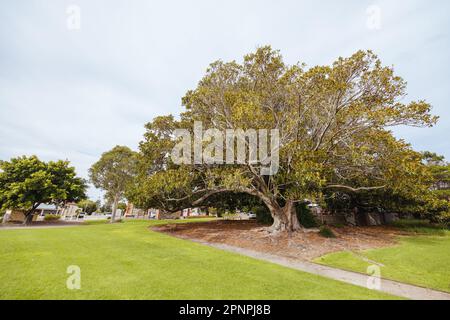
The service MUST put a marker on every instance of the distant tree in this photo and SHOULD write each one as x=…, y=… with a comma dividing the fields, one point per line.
x=440, y=173
x=439, y=170
x=27, y=182
x=88, y=206
x=106, y=207
x=432, y=158
x=98, y=203
x=230, y=201
x=421, y=189
x=122, y=206
x=113, y=173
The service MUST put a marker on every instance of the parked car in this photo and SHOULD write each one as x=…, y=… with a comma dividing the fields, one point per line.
x=81, y=215
x=251, y=215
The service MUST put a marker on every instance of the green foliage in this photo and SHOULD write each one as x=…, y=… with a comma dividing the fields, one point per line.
x=432, y=158
x=262, y=214
x=88, y=206
x=305, y=216
x=106, y=207
x=230, y=216
x=326, y=232
x=27, y=182
x=122, y=206
x=442, y=194
x=436, y=205
x=114, y=172
x=435, y=209
x=51, y=217
x=344, y=146
x=213, y=211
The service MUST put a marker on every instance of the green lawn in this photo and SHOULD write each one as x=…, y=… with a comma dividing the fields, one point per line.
x=420, y=260
x=127, y=261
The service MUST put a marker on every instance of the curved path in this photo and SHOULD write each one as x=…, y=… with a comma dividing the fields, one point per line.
x=392, y=287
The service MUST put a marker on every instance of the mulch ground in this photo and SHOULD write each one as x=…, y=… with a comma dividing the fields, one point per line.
x=301, y=245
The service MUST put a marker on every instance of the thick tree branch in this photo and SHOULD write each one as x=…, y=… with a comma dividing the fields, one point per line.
x=340, y=186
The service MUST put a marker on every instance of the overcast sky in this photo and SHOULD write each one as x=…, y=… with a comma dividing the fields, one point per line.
x=69, y=93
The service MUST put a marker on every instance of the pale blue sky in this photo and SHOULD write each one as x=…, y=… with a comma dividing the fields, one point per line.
x=68, y=94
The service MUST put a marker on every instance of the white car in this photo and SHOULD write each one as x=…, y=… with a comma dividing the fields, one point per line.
x=251, y=215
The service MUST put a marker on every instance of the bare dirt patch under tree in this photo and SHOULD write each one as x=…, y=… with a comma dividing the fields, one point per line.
x=300, y=245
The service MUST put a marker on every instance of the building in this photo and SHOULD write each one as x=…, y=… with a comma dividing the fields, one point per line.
x=136, y=213
x=69, y=211
x=193, y=212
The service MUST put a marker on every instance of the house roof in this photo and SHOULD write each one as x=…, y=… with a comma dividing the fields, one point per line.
x=47, y=207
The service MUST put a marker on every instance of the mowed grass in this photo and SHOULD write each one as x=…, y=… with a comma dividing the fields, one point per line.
x=420, y=260
x=128, y=261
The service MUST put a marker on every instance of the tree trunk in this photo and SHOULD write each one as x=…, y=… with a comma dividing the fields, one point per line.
x=114, y=209
x=284, y=218
x=29, y=215
x=28, y=219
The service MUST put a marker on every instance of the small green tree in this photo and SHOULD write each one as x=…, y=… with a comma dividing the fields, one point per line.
x=88, y=206
x=438, y=204
x=113, y=173
x=122, y=206
x=104, y=207
x=27, y=182
x=440, y=174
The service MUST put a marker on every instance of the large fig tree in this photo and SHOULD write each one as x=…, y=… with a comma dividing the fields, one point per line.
x=333, y=124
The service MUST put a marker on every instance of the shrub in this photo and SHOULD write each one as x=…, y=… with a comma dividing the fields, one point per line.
x=213, y=211
x=51, y=217
x=305, y=216
x=221, y=212
x=326, y=232
x=230, y=216
x=262, y=214
x=445, y=219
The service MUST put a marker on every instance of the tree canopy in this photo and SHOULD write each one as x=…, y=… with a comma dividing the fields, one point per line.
x=333, y=124
x=113, y=173
x=440, y=173
x=27, y=182
x=88, y=206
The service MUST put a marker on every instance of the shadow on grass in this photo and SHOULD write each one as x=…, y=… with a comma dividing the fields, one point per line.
x=424, y=227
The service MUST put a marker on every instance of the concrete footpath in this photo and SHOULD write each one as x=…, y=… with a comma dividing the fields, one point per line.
x=388, y=286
